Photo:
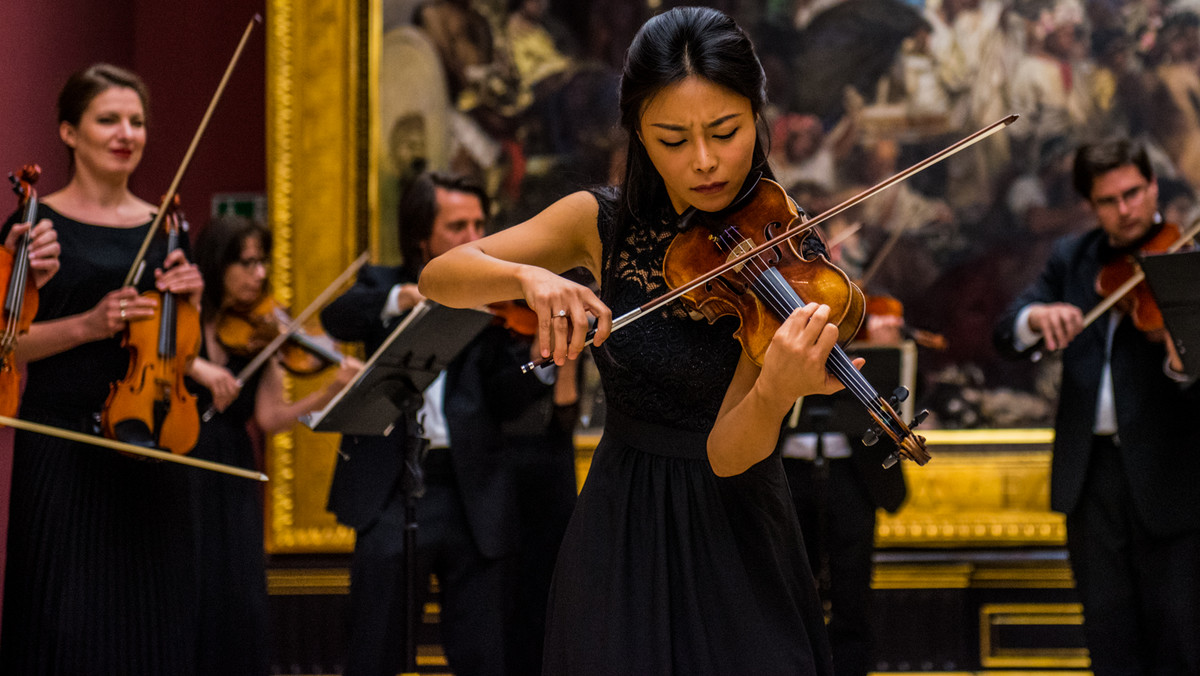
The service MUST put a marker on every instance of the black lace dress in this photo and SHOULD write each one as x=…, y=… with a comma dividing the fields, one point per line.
x=667, y=568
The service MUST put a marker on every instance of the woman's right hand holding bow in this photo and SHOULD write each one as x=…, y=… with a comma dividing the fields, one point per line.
x=564, y=309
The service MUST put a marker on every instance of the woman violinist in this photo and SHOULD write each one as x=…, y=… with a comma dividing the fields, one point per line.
x=233, y=254
x=684, y=553
x=100, y=572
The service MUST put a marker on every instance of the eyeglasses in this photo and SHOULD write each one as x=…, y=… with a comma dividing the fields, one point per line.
x=1132, y=196
x=252, y=263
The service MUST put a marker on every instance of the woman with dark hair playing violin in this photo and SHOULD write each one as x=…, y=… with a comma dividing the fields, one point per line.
x=684, y=554
x=100, y=576
x=234, y=254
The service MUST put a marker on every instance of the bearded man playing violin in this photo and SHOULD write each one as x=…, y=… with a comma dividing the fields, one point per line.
x=1124, y=470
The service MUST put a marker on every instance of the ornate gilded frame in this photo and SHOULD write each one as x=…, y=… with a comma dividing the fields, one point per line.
x=319, y=199
x=983, y=488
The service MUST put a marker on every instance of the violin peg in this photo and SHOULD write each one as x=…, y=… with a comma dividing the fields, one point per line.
x=919, y=418
x=870, y=437
x=891, y=460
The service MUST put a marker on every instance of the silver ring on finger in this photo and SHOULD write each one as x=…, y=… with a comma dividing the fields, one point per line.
x=561, y=313
x=122, y=314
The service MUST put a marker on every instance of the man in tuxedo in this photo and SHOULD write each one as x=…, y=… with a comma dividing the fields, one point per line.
x=837, y=487
x=488, y=426
x=1125, y=470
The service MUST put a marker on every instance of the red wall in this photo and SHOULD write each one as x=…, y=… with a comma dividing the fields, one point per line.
x=41, y=43
x=181, y=49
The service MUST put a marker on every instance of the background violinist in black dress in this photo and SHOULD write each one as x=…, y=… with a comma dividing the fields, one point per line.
x=101, y=576
x=234, y=254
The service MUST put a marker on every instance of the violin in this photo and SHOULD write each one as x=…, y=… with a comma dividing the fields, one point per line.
x=245, y=333
x=21, y=297
x=1123, y=281
x=908, y=444
x=516, y=316
x=289, y=333
x=889, y=306
x=151, y=405
x=763, y=289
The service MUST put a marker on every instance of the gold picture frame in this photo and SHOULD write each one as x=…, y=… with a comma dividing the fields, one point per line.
x=317, y=149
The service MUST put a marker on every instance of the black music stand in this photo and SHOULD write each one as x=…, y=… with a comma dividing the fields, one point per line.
x=1174, y=279
x=390, y=388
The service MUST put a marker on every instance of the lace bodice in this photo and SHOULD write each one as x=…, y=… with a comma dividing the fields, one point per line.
x=666, y=367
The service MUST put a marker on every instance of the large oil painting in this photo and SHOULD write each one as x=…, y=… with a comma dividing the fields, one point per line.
x=523, y=95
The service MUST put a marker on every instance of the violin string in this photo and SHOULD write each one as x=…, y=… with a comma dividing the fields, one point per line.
x=774, y=291
x=15, y=303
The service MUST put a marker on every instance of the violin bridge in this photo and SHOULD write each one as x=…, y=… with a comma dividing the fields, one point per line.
x=742, y=248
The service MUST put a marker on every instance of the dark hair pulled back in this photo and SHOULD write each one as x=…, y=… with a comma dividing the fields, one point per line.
x=87, y=84
x=670, y=47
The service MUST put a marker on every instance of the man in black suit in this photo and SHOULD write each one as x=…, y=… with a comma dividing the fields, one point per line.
x=487, y=425
x=837, y=488
x=1125, y=468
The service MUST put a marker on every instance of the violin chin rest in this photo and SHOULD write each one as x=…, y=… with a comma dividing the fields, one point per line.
x=135, y=432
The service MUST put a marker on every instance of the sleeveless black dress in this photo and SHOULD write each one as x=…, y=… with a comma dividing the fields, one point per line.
x=667, y=568
x=101, y=574
x=227, y=514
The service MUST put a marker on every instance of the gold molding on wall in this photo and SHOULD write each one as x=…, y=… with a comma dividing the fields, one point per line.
x=1029, y=614
x=314, y=146
x=968, y=496
x=1051, y=574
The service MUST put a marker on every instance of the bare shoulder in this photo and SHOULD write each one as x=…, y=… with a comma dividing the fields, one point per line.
x=578, y=208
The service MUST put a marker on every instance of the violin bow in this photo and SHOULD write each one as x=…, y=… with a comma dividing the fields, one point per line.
x=802, y=227
x=1136, y=278
x=131, y=448
x=316, y=304
x=135, y=270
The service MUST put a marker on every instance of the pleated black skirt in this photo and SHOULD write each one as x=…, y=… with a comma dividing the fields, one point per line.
x=228, y=519
x=668, y=569
x=100, y=574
